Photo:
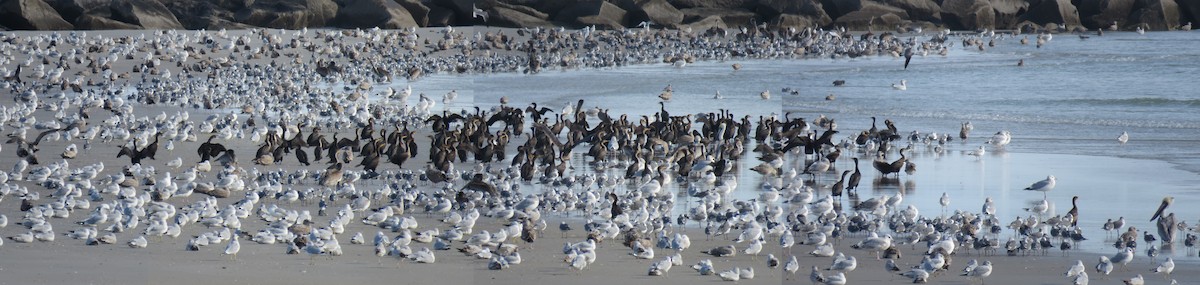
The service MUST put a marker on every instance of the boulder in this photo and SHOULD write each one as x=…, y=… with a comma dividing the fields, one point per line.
x=968, y=14
x=600, y=13
x=1027, y=27
x=31, y=15
x=524, y=10
x=1158, y=15
x=462, y=8
x=705, y=23
x=1008, y=12
x=72, y=9
x=553, y=7
x=198, y=14
x=809, y=8
x=923, y=10
x=1051, y=11
x=90, y=22
x=440, y=16
x=505, y=17
x=288, y=14
x=599, y=22
x=419, y=12
x=731, y=17
x=837, y=8
x=794, y=21
x=1189, y=11
x=658, y=11
x=717, y=4
x=872, y=14
x=149, y=14
x=384, y=14
x=1100, y=14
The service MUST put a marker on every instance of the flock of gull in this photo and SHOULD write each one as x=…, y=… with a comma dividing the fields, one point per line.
x=307, y=100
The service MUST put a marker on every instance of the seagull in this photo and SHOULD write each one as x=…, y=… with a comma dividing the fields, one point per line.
x=564, y=227
x=1123, y=138
x=233, y=247
x=661, y=267
x=1046, y=185
x=1104, y=266
x=731, y=275
x=1136, y=280
x=1075, y=269
x=983, y=271
x=478, y=13
x=1123, y=257
x=902, y=86
x=1081, y=279
x=979, y=152
x=1166, y=267
x=874, y=244
x=836, y=279
x=792, y=266
x=1000, y=139
x=138, y=242
x=844, y=265
x=918, y=275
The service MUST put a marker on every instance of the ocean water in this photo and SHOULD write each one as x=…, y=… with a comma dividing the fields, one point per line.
x=1065, y=108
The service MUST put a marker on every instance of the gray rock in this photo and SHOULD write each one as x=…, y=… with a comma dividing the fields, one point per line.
x=798, y=22
x=440, y=16
x=599, y=22
x=1008, y=12
x=718, y=4
x=505, y=17
x=658, y=11
x=872, y=14
x=149, y=14
x=90, y=22
x=1058, y=12
x=524, y=10
x=731, y=17
x=706, y=23
x=968, y=14
x=924, y=10
x=72, y=9
x=419, y=12
x=288, y=14
x=1099, y=14
x=194, y=14
x=601, y=13
x=31, y=15
x=810, y=8
x=837, y=8
x=385, y=14
x=1190, y=11
x=1158, y=15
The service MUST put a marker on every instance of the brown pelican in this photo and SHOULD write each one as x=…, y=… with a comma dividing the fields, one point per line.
x=1166, y=223
x=1162, y=207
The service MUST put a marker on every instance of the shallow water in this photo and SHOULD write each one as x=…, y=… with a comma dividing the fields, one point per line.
x=1065, y=108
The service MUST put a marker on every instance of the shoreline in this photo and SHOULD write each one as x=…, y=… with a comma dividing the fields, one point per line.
x=998, y=174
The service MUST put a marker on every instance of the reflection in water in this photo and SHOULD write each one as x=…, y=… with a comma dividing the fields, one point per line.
x=885, y=185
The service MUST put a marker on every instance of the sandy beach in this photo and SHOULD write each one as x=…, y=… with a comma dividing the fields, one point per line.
x=167, y=260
